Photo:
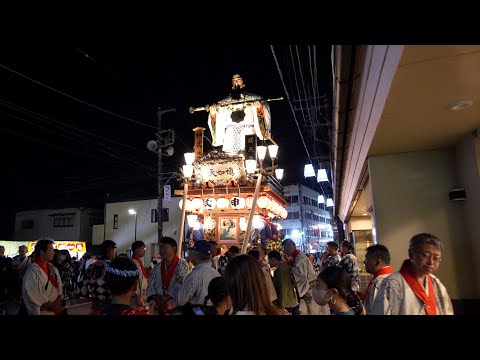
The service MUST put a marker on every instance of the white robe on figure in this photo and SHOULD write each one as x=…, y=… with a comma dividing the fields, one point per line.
x=225, y=131
x=33, y=289
x=395, y=297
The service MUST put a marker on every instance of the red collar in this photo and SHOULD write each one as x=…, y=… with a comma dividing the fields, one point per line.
x=137, y=259
x=167, y=275
x=48, y=269
x=382, y=271
x=429, y=301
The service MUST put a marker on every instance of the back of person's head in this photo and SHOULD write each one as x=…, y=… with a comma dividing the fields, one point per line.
x=106, y=246
x=217, y=291
x=332, y=244
x=137, y=245
x=288, y=242
x=417, y=241
x=337, y=278
x=68, y=257
x=380, y=252
x=41, y=245
x=255, y=253
x=274, y=254
x=121, y=275
x=247, y=287
x=233, y=250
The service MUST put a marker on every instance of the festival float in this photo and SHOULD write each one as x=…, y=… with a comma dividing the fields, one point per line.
x=233, y=191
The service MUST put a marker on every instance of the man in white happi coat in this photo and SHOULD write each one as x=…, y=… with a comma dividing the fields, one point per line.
x=229, y=123
x=138, y=299
x=166, y=278
x=377, y=263
x=42, y=285
x=414, y=290
x=305, y=277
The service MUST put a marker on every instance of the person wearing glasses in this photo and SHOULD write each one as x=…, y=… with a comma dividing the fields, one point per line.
x=414, y=290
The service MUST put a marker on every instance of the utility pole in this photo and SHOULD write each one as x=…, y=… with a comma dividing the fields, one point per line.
x=166, y=139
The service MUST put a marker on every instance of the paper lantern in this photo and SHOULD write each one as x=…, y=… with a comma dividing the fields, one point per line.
x=249, y=202
x=237, y=203
x=263, y=202
x=197, y=204
x=222, y=203
x=209, y=203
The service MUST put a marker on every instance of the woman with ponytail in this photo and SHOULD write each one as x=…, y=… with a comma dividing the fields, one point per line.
x=333, y=287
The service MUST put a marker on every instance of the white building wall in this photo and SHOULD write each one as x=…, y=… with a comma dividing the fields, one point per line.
x=43, y=221
x=147, y=231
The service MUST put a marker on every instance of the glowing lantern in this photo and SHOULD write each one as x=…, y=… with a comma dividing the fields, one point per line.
x=188, y=205
x=249, y=202
x=263, y=202
x=197, y=204
x=243, y=223
x=209, y=203
x=237, y=203
x=222, y=203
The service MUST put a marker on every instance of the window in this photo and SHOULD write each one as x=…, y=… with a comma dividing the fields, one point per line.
x=293, y=215
x=154, y=216
x=315, y=203
x=27, y=224
x=115, y=221
x=63, y=221
x=294, y=199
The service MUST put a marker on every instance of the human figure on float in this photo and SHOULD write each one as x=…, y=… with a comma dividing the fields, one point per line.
x=240, y=113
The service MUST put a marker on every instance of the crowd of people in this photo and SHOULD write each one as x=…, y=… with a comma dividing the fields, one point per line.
x=256, y=283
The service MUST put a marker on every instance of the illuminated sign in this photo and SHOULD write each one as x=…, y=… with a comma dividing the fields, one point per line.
x=219, y=168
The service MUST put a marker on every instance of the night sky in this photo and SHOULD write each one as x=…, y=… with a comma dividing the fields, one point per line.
x=57, y=151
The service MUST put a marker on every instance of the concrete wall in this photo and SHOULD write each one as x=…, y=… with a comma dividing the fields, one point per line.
x=98, y=234
x=468, y=168
x=410, y=196
x=147, y=231
x=43, y=225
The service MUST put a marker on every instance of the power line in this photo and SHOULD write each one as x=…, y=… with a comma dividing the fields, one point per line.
x=74, y=98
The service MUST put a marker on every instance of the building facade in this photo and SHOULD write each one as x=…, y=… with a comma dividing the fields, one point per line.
x=120, y=224
x=408, y=120
x=309, y=223
x=66, y=224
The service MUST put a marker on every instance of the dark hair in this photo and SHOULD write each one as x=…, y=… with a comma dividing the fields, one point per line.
x=41, y=245
x=347, y=244
x=337, y=278
x=274, y=254
x=247, y=287
x=137, y=245
x=255, y=253
x=332, y=244
x=380, y=252
x=424, y=238
x=233, y=250
x=118, y=284
x=169, y=241
x=288, y=242
x=68, y=258
x=217, y=290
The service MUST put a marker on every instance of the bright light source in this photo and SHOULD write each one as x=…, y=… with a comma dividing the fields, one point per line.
x=187, y=171
x=329, y=202
x=261, y=152
x=322, y=175
x=189, y=158
x=295, y=234
x=279, y=174
x=309, y=171
x=131, y=212
x=273, y=150
x=321, y=199
x=192, y=220
x=251, y=165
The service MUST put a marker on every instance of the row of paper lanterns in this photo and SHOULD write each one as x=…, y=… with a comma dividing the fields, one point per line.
x=235, y=203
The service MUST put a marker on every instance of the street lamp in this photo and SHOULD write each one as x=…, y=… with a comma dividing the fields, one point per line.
x=133, y=212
